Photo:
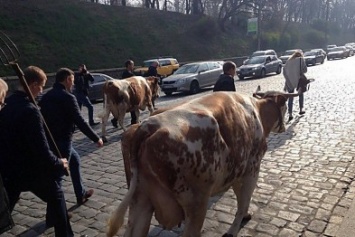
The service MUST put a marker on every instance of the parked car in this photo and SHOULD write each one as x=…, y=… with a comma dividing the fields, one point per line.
x=193, y=76
x=313, y=57
x=337, y=52
x=259, y=66
x=330, y=46
x=350, y=50
x=167, y=66
x=95, y=91
x=288, y=53
x=321, y=51
x=264, y=52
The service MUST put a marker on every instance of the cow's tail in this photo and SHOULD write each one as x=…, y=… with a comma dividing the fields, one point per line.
x=117, y=217
x=131, y=141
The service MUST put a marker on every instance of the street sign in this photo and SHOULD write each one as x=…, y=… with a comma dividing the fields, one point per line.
x=252, y=25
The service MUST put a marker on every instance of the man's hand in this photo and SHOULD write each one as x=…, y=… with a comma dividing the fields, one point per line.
x=65, y=163
x=100, y=143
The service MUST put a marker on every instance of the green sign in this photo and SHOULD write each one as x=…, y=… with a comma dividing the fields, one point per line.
x=252, y=25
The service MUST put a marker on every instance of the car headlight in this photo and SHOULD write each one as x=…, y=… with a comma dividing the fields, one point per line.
x=181, y=81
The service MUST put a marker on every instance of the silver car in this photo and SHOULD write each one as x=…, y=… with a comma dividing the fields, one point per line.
x=259, y=66
x=192, y=77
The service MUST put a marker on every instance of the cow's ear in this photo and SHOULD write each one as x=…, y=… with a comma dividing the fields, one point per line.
x=280, y=100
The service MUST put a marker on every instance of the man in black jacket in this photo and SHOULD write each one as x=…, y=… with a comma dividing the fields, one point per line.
x=60, y=103
x=81, y=81
x=26, y=161
x=226, y=80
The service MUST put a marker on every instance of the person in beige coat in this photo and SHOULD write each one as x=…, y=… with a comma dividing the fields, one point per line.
x=294, y=67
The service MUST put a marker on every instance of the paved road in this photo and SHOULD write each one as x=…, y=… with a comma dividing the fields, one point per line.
x=306, y=179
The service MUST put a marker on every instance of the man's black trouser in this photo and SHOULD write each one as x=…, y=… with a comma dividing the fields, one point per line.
x=6, y=222
x=50, y=191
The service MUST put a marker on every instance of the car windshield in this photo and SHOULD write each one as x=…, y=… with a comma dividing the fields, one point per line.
x=310, y=53
x=255, y=60
x=258, y=53
x=188, y=68
x=289, y=52
x=335, y=49
x=148, y=63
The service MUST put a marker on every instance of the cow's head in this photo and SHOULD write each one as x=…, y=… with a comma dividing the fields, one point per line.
x=153, y=83
x=279, y=100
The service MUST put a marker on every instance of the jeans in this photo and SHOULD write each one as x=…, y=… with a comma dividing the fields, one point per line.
x=84, y=100
x=67, y=151
x=290, y=102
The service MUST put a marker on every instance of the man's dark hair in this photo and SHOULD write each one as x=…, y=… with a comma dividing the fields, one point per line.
x=62, y=74
x=228, y=66
x=128, y=62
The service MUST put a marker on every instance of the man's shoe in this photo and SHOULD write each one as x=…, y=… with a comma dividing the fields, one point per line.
x=86, y=197
x=290, y=118
x=302, y=112
x=114, y=122
x=94, y=123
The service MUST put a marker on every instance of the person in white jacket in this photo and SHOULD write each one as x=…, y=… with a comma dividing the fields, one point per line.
x=294, y=67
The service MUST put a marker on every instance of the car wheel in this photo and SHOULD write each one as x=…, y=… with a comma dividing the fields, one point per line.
x=168, y=93
x=241, y=78
x=262, y=73
x=322, y=61
x=194, y=87
x=328, y=58
x=279, y=69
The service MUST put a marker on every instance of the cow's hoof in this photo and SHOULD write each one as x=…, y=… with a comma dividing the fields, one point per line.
x=104, y=139
x=247, y=217
x=227, y=235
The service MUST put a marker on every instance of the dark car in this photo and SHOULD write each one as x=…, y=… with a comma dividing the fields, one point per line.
x=259, y=66
x=337, y=52
x=95, y=91
x=313, y=57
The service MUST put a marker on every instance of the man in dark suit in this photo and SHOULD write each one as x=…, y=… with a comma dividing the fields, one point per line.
x=26, y=161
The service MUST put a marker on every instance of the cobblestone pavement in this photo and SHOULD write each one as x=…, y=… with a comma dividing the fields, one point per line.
x=306, y=180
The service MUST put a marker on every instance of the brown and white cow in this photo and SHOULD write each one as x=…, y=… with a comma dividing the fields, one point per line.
x=184, y=155
x=154, y=87
x=122, y=96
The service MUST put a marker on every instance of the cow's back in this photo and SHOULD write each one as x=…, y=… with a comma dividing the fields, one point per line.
x=209, y=141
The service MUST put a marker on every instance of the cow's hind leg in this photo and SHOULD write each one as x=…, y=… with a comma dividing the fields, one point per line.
x=243, y=189
x=195, y=213
x=140, y=216
x=104, y=119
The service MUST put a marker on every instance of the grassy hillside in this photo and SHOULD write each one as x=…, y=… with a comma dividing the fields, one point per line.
x=54, y=34
x=66, y=33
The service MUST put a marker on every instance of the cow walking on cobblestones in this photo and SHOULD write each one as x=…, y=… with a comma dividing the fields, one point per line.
x=122, y=96
x=182, y=156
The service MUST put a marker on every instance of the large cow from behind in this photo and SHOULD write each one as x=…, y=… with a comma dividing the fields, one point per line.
x=182, y=156
x=122, y=96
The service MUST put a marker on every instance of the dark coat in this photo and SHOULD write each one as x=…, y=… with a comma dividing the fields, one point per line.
x=82, y=82
x=224, y=83
x=127, y=74
x=25, y=153
x=152, y=72
x=61, y=112
x=6, y=222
